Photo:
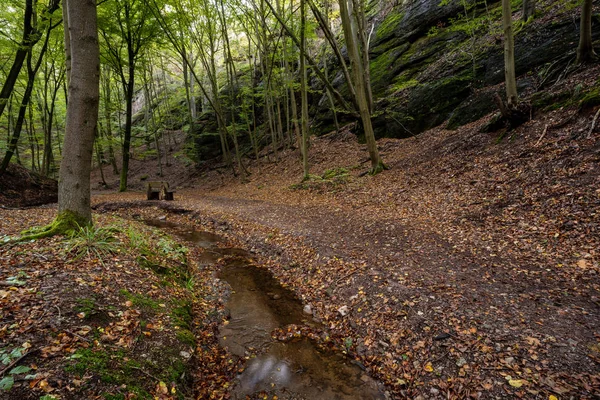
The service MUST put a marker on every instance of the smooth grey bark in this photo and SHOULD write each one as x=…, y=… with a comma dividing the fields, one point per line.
x=303, y=92
x=360, y=79
x=82, y=111
x=509, y=55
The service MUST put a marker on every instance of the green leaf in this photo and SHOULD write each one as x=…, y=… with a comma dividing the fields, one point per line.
x=16, y=353
x=7, y=383
x=21, y=369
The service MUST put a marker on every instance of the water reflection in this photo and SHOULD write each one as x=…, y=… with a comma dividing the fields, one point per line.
x=258, y=304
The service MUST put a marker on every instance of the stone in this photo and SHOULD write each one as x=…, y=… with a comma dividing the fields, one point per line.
x=307, y=309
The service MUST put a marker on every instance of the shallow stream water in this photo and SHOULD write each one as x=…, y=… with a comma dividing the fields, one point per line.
x=257, y=305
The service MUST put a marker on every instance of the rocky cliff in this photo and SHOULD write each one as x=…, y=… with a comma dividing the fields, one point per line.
x=433, y=61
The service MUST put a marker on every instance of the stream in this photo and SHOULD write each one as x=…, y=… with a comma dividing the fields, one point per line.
x=257, y=305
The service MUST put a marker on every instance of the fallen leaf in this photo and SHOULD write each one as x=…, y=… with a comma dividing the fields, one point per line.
x=516, y=383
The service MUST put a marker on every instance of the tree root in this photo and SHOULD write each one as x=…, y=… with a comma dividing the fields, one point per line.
x=380, y=167
x=66, y=223
x=589, y=136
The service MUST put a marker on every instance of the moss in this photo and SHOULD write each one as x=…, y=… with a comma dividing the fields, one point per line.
x=87, y=306
x=401, y=84
x=182, y=314
x=389, y=26
x=66, y=223
x=591, y=99
x=380, y=167
x=175, y=371
x=140, y=300
x=187, y=337
x=335, y=173
x=111, y=367
x=384, y=67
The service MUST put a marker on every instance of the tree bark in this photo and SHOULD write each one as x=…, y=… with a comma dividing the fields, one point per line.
x=303, y=91
x=585, y=50
x=31, y=73
x=509, y=55
x=349, y=26
x=82, y=112
x=528, y=9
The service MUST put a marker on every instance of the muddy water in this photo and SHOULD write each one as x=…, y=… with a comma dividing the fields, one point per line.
x=258, y=304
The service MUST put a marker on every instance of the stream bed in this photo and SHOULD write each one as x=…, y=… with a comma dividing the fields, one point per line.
x=258, y=304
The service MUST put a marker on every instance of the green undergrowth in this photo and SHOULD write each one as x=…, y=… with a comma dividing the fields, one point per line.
x=65, y=223
x=121, y=373
x=112, y=367
x=331, y=179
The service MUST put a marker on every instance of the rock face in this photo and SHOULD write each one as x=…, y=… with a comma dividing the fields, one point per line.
x=431, y=64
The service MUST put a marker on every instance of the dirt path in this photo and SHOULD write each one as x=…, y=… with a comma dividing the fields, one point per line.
x=425, y=316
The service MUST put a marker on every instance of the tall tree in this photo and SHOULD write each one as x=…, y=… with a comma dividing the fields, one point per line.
x=352, y=18
x=509, y=55
x=82, y=113
x=126, y=29
x=32, y=33
x=303, y=91
x=32, y=70
x=528, y=9
x=585, y=50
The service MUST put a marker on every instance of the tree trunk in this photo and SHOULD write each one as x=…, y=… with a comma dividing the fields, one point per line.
x=528, y=9
x=349, y=26
x=509, y=55
x=22, y=52
x=128, y=118
x=585, y=50
x=31, y=73
x=82, y=113
x=303, y=91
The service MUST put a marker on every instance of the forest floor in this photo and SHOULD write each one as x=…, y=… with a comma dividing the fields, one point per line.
x=469, y=269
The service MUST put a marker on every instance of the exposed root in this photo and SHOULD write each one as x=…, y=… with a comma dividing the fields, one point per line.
x=589, y=136
x=65, y=223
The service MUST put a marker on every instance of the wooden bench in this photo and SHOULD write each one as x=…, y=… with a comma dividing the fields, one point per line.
x=159, y=190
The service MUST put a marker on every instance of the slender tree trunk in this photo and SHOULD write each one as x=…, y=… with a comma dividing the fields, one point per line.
x=32, y=140
x=585, y=50
x=303, y=92
x=108, y=120
x=528, y=9
x=509, y=55
x=128, y=119
x=20, y=56
x=349, y=26
x=31, y=73
x=82, y=113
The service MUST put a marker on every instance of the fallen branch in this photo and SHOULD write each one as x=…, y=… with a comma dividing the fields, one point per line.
x=542, y=137
x=77, y=336
x=18, y=360
x=343, y=278
x=146, y=373
x=589, y=136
